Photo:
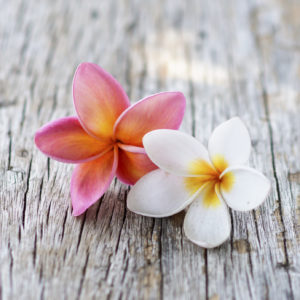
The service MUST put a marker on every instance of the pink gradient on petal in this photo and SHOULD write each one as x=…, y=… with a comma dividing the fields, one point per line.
x=98, y=98
x=65, y=140
x=160, y=111
x=133, y=165
x=91, y=180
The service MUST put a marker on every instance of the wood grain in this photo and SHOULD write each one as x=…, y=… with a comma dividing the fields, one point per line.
x=228, y=58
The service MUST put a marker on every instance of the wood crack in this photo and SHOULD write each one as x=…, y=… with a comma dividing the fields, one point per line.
x=11, y=265
x=256, y=226
x=265, y=98
x=191, y=93
x=23, y=114
x=286, y=264
x=206, y=274
x=48, y=213
x=80, y=232
x=126, y=260
x=25, y=194
x=123, y=220
x=9, y=167
x=83, y=276
x=108, y=267
x=64, y=225
x=231, y=234
x=34, y=250
x=40, y=193
x=98, y=209
x=160, y=254
x=249, y=255
x=48, y=168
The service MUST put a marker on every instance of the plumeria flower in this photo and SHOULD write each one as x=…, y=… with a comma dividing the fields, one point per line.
x=105, y=139
x=208, y=181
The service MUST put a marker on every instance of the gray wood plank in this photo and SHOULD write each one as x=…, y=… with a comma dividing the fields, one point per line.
x=228, y=58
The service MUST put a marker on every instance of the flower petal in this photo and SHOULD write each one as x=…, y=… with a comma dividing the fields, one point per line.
x=229, y=144
x=244, y=188
x=159, y=194
x=91, y=180
x=98, y=98
x=163, y=110
x=65, y=140
x=177, y=152
x=133, y=164
x=207, y=222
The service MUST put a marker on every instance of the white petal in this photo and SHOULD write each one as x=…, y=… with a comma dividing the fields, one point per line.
x=207, y=225
x=159, y=194
x=246, y=188
x=174, y=151
x=229, y=144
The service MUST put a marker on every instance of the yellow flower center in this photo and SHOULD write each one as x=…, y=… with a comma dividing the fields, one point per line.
x=209, y=175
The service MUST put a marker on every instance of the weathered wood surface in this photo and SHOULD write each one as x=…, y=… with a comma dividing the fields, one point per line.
x=228, y=58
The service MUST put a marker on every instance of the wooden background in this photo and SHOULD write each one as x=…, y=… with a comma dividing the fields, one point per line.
x=232, y=57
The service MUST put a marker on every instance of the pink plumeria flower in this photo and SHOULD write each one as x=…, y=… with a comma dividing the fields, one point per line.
x=205, y=180
x=105, y=139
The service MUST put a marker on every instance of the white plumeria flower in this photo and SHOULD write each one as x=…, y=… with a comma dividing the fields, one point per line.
x=208, y=180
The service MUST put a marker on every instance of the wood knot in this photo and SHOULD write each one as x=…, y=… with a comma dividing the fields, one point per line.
x=22, y=153
x=242, y=246
x=294, y=177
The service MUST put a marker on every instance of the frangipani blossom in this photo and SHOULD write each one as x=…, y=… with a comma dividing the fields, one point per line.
x=208, y=181
x=105, y=139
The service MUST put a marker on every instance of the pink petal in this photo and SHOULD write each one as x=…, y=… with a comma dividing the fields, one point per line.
x=98, y=98
x=65, y=140
x=91, y=180
x=133, y=164
x=163, y=110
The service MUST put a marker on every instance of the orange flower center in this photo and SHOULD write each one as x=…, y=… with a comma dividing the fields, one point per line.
x=208, y=176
